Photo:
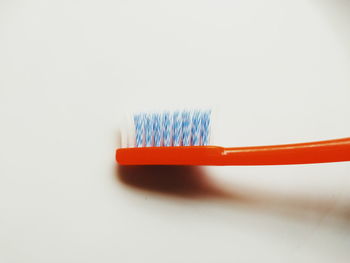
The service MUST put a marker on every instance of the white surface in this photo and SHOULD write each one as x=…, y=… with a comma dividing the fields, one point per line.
x=273, y=71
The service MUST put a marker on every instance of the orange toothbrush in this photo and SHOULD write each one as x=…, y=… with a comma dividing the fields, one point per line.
x=180, y=138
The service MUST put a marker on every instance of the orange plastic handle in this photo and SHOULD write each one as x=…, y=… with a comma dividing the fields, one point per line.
x=301, y=153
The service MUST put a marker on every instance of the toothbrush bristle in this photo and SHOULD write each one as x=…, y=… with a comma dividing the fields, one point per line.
x=139, y=130
x=205, y=123
x=196, y=128
x=186, y=128
x=148, y=130
x=156, y=130
x=177, y=129
x=166, y=129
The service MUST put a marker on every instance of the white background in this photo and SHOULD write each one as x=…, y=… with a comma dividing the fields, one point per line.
x=273, y=72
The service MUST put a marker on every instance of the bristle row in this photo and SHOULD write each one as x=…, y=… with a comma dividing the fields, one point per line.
x=187, y=128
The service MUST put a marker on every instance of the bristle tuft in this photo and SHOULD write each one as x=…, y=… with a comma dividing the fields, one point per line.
x=139, y=129
x=177, y=129
x=166, y=129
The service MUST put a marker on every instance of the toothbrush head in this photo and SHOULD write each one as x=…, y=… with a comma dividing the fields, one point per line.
x=168, y=138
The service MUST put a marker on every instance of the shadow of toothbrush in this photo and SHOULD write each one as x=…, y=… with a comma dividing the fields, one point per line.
x=180, y=181
x=192, y=182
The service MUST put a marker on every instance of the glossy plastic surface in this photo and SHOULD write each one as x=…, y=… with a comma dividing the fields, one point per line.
x=302, y=153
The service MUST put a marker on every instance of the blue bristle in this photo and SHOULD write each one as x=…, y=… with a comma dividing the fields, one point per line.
x=157, y=133
x=166, y=129
x=177, y=129
x=186, y=128
x=196, y=129
x=139, y=130
x=205, y=122
x=148, y=130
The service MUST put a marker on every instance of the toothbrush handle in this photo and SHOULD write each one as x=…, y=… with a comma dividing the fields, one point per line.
x=301, y=153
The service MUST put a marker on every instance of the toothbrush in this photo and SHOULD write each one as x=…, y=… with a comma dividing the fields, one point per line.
x=181, y=138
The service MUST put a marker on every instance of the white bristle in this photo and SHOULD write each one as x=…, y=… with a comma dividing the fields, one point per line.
x=123, y=137
x=131, y=142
